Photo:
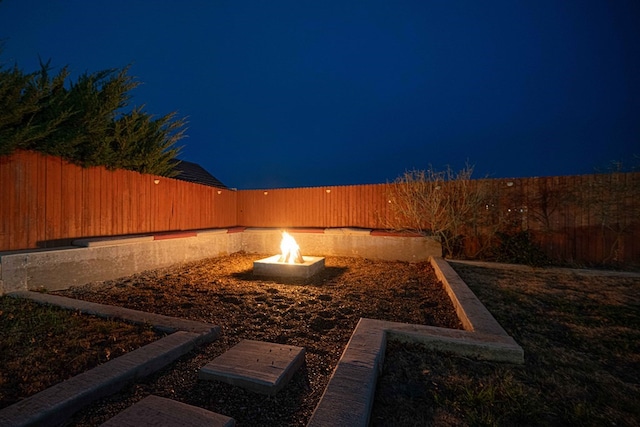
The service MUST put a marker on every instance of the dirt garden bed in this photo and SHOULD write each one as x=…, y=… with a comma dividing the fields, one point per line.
x=319, y=314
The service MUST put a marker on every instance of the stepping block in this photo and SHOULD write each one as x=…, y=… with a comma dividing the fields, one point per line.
x=257, y=366
x=155, y=411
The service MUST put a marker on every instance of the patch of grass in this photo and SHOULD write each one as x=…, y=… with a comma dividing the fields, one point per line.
x=453, y=390
x=581, y=339
x=44, y=345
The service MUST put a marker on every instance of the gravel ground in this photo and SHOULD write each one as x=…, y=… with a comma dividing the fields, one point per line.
x=319, y=314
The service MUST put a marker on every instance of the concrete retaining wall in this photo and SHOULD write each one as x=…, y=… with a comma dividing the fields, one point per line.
x=344, y=242
x=111, y=258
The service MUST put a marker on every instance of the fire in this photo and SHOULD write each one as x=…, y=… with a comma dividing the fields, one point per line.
x=290, y=250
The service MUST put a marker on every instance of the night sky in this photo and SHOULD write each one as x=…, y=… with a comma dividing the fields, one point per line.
x=311, y=93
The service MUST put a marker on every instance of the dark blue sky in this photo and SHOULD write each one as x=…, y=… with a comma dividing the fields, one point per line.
x=311, y=93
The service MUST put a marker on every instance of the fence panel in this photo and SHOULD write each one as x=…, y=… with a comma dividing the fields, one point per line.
x=335, y=206
x=47, y=202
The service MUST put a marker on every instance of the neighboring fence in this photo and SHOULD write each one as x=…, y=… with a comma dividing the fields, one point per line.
x=46, y=202
x=590, y=219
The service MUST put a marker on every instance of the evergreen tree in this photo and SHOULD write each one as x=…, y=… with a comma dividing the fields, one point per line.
x=26, y=103
x=144, y=144
x=86, y=122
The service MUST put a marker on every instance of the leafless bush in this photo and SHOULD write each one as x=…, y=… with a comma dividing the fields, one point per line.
x=445, y=204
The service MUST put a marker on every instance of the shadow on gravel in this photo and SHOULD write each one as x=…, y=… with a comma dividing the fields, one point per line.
x=323, y=278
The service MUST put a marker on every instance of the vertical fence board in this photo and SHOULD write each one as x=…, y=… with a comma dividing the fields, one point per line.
x=127, y=208
x=37, y=204
x=119, y=202
x=158, y=207
x=185, y=212
x=53, y=214
x=143, y=203
x=633, y=237
x=67, y=199
x=582, y=248
x=106, y=202
x=13, y=177
x=570, y=221
x=87, y=205
x=7, y=187
x=598, y=242
x=21, y=204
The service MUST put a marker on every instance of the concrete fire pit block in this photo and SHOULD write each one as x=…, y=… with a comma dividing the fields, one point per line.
x=271, y=267
x=154, y=411
x=257, y=366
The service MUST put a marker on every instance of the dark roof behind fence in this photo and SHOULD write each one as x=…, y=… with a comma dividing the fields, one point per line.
x=193, y=172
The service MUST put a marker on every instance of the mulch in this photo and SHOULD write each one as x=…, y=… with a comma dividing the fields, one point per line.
x=318, y=313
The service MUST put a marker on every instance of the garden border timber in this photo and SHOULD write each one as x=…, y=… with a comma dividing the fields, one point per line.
x=107, y=258
x=59, y=402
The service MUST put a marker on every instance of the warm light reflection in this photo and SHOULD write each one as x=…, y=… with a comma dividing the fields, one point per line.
x=290, y=251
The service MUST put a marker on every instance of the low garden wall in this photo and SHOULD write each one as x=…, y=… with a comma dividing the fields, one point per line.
x=110, y=258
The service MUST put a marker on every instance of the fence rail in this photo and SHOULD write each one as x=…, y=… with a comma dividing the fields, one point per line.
x=46, y=202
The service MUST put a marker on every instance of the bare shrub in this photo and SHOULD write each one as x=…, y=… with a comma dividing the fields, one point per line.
x=445, y=204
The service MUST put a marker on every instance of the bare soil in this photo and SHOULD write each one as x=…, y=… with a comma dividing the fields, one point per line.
x=319, y=314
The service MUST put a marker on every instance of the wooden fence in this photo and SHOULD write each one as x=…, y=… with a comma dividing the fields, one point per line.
x=579, y=219
x=585, y=219
x=337, y=206
x=47, y=202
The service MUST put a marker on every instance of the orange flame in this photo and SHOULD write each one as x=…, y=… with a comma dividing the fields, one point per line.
x=290, y=250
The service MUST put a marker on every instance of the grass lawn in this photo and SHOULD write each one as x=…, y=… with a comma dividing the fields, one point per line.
x=42, y=345
x=581, y=336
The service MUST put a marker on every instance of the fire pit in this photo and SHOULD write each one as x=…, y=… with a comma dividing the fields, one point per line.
x=290, y=263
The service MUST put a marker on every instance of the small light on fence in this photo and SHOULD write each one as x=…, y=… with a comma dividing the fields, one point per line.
x=219, y=191
x=510, y=184
x=328, y=190
x=156, y=181
x=389, y=201
x=266, y=192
